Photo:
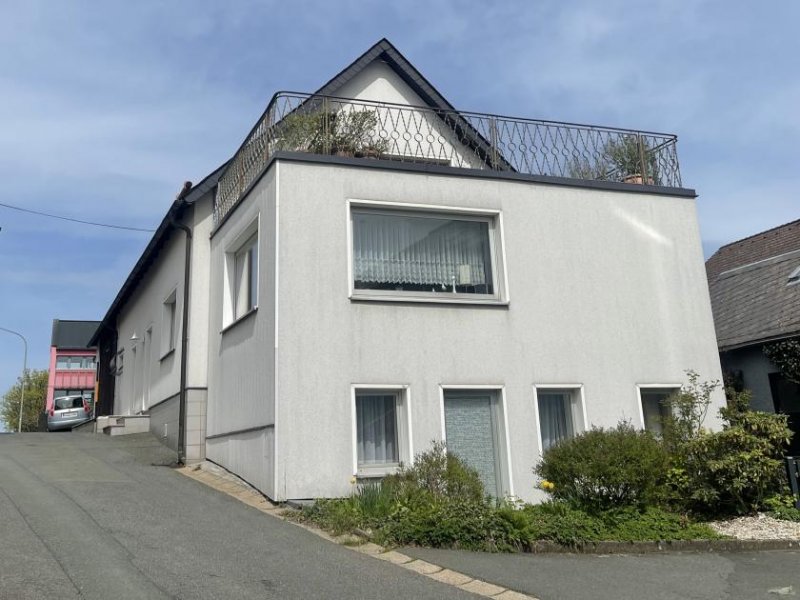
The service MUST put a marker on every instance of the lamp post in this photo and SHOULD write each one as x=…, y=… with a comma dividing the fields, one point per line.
x=24, y=373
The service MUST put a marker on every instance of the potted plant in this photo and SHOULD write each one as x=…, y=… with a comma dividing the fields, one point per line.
x=630, y=155
x=333, y=132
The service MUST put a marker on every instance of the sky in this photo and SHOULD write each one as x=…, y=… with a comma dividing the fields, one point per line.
x=108, y=107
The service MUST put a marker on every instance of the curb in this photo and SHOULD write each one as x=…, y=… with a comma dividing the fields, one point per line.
x=732, y=545
x=217, y=478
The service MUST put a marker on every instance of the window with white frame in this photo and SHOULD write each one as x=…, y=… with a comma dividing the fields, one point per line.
x=655, y=406
x=425, y=253
x=560, y=414
x=381, y=430
x=241, y=265
x=169, y=323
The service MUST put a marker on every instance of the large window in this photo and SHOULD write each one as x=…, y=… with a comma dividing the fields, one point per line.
x=444, y=255
x=560, y=412
x=655, y=406
x=75, y=362
x=381, y=430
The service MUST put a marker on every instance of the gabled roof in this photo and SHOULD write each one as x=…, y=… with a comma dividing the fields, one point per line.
x=769, y=243
x=384, y=50
x=751, y=295
x=161, y=235
x=73, y=334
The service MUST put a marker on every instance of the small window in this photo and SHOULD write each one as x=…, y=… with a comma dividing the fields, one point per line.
x=241, y=276
x=168, y=324
x=245, y=285
x=443, y=255
x=381, y=432
x=560, y=414
x=62, y=362
x=656, y=407
x=794, y=277
x=59, y=393
x=119, y=363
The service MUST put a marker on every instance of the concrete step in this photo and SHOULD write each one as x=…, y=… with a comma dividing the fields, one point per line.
x=123, y=424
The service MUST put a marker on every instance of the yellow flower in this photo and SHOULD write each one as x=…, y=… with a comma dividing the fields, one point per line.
x=547, y=486
x=353, y=480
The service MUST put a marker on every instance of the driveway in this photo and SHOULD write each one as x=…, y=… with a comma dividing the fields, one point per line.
x=89, y=516
x=678, y=576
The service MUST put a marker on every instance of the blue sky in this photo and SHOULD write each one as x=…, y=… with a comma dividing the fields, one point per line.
x=106, y=108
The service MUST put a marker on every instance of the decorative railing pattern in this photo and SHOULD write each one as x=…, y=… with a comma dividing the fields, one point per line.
x=333, y=126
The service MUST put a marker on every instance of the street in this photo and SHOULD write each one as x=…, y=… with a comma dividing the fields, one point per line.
x=89, y=516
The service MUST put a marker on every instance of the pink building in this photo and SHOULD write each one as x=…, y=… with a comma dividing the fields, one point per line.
x=72, y=360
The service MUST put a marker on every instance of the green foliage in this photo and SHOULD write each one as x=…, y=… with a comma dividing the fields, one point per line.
x=343, y=132
x=34, y=403
x=627, y=155
x=783, y=507
x=786, y=356
x=733, y=470
x=437, y=474
x=688, y=411
x=606, y=468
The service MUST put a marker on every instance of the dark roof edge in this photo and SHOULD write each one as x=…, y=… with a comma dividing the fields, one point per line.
x=766, y=340
x=755, y=235
x=160, y=235
x=388, y=165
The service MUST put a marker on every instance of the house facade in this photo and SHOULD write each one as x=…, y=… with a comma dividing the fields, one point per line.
x=72, y=369
x=382, y=271
x=755, y=295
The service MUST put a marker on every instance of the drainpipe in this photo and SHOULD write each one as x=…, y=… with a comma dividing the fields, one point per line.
x=184, y=329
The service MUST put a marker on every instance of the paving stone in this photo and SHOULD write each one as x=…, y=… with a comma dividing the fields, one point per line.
x=450, y=577
x=369, y=548
x=395, y=557
x=483, y=588
x=512, y=595
x=422, y=567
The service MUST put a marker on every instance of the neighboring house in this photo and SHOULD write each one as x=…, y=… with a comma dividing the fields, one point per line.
x=374, y=270
x=72, y=360
x=755, y=295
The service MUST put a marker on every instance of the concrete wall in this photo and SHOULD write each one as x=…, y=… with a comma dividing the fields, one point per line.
x=755, y=368
x=607, y=290
x=164, y=421
x=241, y=356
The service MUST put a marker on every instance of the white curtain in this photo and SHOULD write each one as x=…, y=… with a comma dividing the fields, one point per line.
x=555, y=417
x=376, y=424
x=398, y=249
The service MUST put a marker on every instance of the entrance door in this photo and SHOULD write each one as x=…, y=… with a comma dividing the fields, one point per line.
x=472, y=430
x=786, y=396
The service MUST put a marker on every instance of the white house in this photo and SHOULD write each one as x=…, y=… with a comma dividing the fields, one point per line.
x=374, y=270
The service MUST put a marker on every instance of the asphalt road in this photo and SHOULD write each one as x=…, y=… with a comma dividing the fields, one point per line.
x=89, y=516
x=769, y=575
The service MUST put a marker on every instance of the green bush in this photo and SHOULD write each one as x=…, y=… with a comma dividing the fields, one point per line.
x=783, y=507
x=735, y=470
x=606, y=468
x=436, y=474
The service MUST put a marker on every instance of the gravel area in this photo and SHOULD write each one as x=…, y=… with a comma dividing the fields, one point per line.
x=760, y=527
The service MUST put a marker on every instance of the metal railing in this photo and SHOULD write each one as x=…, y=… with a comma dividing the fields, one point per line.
x=328, y=125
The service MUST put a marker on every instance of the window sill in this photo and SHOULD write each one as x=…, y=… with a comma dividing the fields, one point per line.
x=244, y=317
x=167, y=354
x=368, y=297
x=377, y=472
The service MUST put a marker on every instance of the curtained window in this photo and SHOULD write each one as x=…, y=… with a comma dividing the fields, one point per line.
x=422, y=252
x=556, y=416
x=376, y=427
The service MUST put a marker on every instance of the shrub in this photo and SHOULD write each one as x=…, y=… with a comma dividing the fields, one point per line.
x=437, y=474
x=733, y=470
x=606, y=468
x=783, y=507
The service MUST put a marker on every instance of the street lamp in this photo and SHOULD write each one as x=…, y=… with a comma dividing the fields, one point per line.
x=24, y=372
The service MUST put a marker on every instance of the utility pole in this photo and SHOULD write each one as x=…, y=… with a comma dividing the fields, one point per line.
x=24, y=373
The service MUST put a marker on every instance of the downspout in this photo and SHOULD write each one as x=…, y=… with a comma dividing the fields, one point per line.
x=184, y=327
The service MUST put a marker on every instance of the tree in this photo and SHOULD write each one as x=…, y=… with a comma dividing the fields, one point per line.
x=35, y=395
x=786, y=356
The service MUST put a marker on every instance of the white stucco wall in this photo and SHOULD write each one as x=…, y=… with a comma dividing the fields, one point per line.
x=241, y=359
x=156, y=375
x=607, y=290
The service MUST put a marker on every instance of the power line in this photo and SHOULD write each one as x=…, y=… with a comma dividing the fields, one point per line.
x=44, y=214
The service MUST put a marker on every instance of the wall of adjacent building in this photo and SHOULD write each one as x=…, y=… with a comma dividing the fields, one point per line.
x=755, y=368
